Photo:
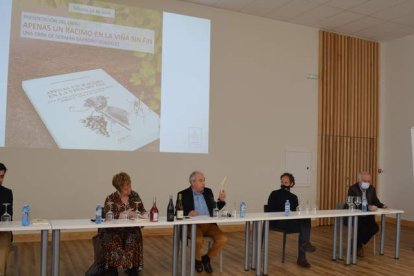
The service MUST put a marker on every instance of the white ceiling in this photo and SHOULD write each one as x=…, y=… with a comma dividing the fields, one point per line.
x=380, y=20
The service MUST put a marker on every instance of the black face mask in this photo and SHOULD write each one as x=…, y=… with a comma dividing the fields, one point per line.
x=287, y=188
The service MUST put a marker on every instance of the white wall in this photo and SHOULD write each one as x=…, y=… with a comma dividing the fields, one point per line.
x=397, y=117
x=261, y=104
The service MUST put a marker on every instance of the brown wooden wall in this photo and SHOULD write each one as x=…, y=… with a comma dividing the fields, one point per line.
x=348, y=114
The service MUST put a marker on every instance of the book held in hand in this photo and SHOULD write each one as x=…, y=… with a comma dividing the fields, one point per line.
x=91, y=110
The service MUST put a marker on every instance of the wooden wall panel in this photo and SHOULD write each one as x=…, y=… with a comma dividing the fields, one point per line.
x=348, y=115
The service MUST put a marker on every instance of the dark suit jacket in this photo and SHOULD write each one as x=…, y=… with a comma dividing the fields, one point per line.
x=6, y=196
x=188, y=200
x=371, y=194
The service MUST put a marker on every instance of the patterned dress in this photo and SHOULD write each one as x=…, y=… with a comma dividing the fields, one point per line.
x=123, y=247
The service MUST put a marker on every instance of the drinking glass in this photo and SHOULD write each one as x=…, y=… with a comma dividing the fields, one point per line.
x=358, y=201
x=124, y=214
x=307, y=207
x=215, y=210
x=109, y=215
x=137, y=211
x=350, y=202
x=6, y=217
x=314, y=209
x=299, y=209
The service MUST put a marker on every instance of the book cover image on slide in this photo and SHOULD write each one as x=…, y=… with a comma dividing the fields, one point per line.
x=91, y=110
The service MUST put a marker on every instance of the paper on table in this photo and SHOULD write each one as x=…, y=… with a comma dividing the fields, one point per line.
x=223, y=182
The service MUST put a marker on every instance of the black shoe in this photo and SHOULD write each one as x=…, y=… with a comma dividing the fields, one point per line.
x=206, y=263
x=308, y=247
x=198, y=266
x=132, y=271
x=303, y=262
x=112, y=271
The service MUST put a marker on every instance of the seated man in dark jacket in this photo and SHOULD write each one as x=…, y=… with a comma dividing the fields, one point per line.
x=367, y=227
x=276, y=203
x=198, y=200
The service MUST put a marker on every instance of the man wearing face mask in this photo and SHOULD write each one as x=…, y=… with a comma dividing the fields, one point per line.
x=276, y=203
x=367, y=227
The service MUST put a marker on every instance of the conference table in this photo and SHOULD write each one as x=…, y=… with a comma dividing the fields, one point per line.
x=84, y=224
x=260, y=227
x=44, y=228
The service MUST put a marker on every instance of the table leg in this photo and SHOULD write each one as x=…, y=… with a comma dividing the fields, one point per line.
x=254, y=245
x=266, y=247
x=176, y=238
x=43, y=252
x=55, y=251
x=259, y=248
x=348, y=244
x=382, y=234
x=341, y=238
x=397, y=237
x=246, y=245
x=183, y=249
x=354, y=246
x=193, y=241
x=334, y=239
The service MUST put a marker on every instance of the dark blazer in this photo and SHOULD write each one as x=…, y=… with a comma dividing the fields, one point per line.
x=371, y=194
x=188, y=200
x=6, y=196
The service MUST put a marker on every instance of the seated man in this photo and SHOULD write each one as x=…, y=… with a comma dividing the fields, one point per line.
x=6, y=196
x=276, y=203
x=199, y=200
x=367, y=227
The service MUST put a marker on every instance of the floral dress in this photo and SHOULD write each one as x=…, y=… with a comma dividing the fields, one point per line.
x=123, y=247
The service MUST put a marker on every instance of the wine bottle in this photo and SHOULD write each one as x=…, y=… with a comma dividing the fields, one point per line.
x=170, y=210
x=154, y=211
x=180, y=209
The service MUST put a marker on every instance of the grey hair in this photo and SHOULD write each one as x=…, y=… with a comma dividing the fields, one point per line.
x=360, y=174
x=193, y=176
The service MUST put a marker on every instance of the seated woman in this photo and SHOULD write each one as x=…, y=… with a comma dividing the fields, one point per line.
x=123, y=247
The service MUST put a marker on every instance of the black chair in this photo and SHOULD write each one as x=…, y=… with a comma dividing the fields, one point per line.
x=285, y=233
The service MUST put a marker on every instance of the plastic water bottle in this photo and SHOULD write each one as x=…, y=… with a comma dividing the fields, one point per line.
x=287, y=208
x=243, y=208
x=25, y=215
x=364, y=205
x=98, y=218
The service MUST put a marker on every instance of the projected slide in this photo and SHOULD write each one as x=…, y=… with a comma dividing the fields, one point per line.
x=103, y=76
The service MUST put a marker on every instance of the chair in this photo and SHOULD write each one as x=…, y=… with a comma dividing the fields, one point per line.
x=285, y=233
x=341, y=205
x=12, y=250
